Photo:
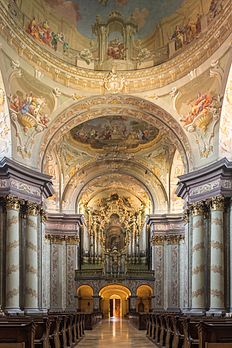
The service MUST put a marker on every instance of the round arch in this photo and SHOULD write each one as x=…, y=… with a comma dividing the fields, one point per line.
x=116, y=105
x=154, y=186
x=85, y=298
x=114, y=300
x=144, y=295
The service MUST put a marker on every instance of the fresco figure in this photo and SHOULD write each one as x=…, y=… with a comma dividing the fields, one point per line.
x=31, y=105
x=116, y=49
x=178, y=37
x=43, y=33
x=202, y=112
x=113, y=132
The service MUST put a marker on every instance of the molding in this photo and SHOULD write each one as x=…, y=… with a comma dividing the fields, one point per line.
x=210, y=181
x=23, y=182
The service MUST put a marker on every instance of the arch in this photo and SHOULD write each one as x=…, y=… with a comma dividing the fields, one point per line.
x=85, y=298
x=114, y=300
x=74, y=187
x=225, y=130
x=116, y=105
x=144, y=294
x=123, y=288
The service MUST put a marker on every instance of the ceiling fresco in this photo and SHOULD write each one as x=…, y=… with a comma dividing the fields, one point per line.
x=146, y=13
x=115, y=132
x=102, y=185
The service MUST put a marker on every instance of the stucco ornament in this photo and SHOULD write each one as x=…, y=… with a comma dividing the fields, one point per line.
x=113, y=82
x=27, y=115
x=201, y=120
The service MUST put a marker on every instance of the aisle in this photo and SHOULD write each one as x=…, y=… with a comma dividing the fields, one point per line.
x=115, y=334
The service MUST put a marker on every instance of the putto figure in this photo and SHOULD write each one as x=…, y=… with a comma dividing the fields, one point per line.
x=43, y=33
x=29, y=111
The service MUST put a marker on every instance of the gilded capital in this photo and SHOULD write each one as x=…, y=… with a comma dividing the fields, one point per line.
x=43, y=215
x=32, y=208
x=197, y=208
x=12, y=203
x=217, y=203
x=186, y=216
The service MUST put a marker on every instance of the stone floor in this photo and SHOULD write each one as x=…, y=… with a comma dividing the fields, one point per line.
x=115, y=333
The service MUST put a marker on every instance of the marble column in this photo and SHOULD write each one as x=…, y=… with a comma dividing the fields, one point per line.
x=31, y=304
x=217, y=303
x=45, y=262
x=12, y=255
x=185, y=264
x=198, y=258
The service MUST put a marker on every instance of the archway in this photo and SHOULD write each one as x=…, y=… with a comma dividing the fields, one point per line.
x=144, y=294
x=85, y=299
x=114, y=300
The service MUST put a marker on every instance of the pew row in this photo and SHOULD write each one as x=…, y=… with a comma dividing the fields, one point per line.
x=56, y=330
x=171, y=330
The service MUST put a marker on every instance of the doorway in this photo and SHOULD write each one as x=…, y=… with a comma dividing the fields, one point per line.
x=114, y=301
x=115, y=307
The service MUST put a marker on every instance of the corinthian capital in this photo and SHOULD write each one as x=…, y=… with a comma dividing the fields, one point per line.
x=12, y=203
x=32, y=208
x=197, y=208
x=217, y=203
x=43, y=215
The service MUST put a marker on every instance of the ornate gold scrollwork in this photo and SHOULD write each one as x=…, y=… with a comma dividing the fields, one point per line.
x=43, y=215
x=12, y=203
x=217, y=203
x=32, y=208
x=186, y=216
x=170, y=239
x=58, y=239
x=198, y=208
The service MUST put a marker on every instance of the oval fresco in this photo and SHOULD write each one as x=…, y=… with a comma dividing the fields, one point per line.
x=115, y=132
x=146, y=13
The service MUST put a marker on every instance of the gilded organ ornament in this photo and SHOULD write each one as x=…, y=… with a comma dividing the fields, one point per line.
x=114, y=227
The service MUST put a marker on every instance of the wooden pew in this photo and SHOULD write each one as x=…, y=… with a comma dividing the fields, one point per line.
x=215, y=334
x=16, y=332
x=169, y=331
x=178, y=330
x=163, y=331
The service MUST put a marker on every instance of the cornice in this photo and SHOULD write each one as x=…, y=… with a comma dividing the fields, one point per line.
x=213, y=180
x=53, y=66
x=26, y=183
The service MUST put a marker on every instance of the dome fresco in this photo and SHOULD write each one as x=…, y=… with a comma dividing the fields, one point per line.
x=124, y=34
x=146, y=13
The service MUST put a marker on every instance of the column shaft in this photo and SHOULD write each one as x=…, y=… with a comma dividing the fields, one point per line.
x=217, y=256
x=198, y=258
x=12, y=255
x=31, y=260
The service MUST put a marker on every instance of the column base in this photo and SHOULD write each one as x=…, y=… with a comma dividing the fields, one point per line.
x=197, y=311
x=216, y=312
x=173, y=309
x=32, y=311
x=44, y=310
x=13, y=311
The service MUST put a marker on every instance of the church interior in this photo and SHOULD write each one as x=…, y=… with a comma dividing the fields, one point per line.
x=115, y=173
